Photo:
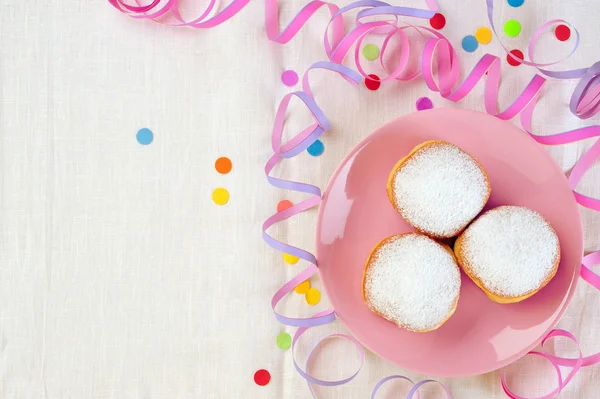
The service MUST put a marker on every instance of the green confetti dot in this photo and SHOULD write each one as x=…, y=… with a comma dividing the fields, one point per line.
x=370, y=52
x=284, y=340
x=512, y=28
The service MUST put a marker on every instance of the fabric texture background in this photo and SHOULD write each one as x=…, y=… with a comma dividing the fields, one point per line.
x=120, y=279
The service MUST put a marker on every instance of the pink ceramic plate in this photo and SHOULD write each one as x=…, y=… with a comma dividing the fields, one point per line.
x=355, y=215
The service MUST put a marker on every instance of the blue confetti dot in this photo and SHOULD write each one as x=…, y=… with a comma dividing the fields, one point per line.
x=316, y=148
x=144, y=136
x=516, y=3
x=469, y=43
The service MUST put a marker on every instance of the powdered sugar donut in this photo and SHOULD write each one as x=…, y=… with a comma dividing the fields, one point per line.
x=412, y=281
x=438, y=188
x=510, y=252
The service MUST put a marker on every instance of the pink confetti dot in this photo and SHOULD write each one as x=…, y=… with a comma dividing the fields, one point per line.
x=424, y=103
x=289, y=78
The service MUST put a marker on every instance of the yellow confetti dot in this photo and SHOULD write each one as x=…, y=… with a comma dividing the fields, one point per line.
x=220, y=196
x=291, y=259
x=303, y=287
x=483, y=35
x=313, y=296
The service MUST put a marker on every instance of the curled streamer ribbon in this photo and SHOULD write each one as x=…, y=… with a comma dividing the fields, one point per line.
x=585, y=100
x=561, y=383
x=414, y=389
x=574, y=363
x=310, y=379
x=167, y=12
x=440, y=70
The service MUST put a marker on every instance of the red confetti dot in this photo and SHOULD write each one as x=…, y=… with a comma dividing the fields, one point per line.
x=438, y=21
x=262, y=377
x=283, y=205
x=372, y=82
x=562, y=33
x=512, y=61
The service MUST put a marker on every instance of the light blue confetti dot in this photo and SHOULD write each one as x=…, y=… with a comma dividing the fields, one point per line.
x=516, y=3
x=469, y=43
x=144, y=136
x=316, y=148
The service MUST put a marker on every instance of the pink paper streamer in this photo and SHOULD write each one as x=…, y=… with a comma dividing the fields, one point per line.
x=561, y=383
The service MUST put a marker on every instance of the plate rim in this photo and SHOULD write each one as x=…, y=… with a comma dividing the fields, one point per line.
x=576, y=273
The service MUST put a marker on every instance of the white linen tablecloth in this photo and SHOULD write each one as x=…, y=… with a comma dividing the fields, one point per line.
x=119, y=278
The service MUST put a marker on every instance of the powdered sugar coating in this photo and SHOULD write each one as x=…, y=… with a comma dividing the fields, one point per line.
x=439, y=189
x=412, y=281
x=512, y=250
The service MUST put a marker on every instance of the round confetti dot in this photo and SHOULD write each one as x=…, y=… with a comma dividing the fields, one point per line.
x=284, y=340
x=511, y=60
x=370, y=52
x=313, y=296
x=424, y=103
x=303, y=287
x=438, y=21
x=316, y=148
x=372, y=82
x=289, y=78
x=220, y=196
x=562, y=33
x=262, y=377
x=223, y=165
x=469, y=43
x=283, y=205
x=144, y=136
x=516, y=3
x=291, y=259
x=483, y=35
x=512, y=28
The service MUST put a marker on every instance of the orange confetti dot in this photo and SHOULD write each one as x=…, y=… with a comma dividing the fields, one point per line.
x=313, y=296
x=483, y=35
x=303, y=287
x=223, y=165
x=283, y=205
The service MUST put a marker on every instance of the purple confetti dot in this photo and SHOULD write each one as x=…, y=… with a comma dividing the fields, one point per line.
x=289, y=78
x=424, y=103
